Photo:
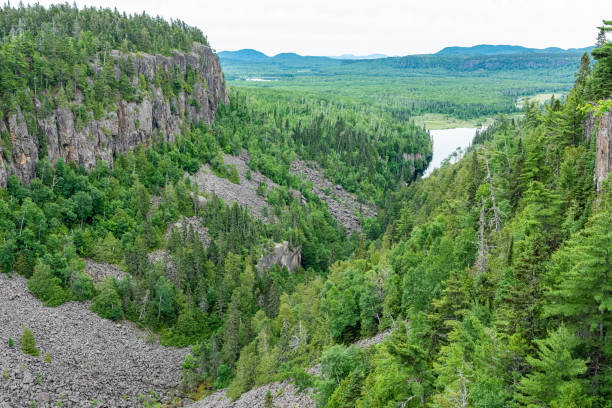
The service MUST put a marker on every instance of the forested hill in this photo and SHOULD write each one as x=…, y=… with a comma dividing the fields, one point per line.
x=488, y=49
x=85, y=85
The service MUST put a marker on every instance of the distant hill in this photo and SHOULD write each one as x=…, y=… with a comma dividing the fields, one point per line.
x=245, y=55
x=248, y=54
x=359, y=57
x=488, y=49
x=483, y=50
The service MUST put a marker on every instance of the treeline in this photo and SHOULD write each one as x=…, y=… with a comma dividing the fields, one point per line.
x=493, y=275
x=59, y=55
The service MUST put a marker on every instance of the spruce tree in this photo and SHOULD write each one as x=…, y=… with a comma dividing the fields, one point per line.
x=552, y=371
x=28, y=344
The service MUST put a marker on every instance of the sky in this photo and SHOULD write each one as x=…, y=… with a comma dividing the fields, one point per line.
x=392, y=27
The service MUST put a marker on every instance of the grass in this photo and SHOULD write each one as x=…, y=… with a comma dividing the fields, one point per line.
x=435, y=121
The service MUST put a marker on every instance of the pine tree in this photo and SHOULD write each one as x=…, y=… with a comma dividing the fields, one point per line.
x=28, y=344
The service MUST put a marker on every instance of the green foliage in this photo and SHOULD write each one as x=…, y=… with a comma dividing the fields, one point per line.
x=82, y=286
x=362, y=148
x=10, y=342
x=553, y=371
x=470, y=269
x=189, y=374
x=107, y=302
x=47, y=287
x=269, y=400
x=28, y=344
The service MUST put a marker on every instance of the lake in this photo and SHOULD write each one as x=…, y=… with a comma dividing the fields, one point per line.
x=446, y=141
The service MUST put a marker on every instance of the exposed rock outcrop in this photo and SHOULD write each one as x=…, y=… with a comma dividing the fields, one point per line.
x=342, y=205
x=282, y=255
x=603, y=143
x=91, y=358
x=190, y=223
x=155, y=118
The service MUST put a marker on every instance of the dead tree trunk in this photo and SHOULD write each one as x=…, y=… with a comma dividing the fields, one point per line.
x=495, y=209
x=481, y=257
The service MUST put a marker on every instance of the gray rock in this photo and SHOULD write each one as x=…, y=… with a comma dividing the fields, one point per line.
x=90, y=357
x=602, y=128
x=282, y=255
x=244, y=193
x=121, y=130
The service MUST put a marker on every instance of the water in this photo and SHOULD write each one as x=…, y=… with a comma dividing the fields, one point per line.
x=446, y=142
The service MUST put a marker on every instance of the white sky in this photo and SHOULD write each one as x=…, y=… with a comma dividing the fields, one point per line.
x=393, y=27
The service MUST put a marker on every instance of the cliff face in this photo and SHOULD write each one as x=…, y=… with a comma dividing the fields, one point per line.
x=603, y=143
x=156, y=118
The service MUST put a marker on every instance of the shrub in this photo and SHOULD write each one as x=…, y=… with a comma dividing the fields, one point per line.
x=28, y=344
x=47, y=287
x=232, y=174
x=47, y=357
x=10, y=342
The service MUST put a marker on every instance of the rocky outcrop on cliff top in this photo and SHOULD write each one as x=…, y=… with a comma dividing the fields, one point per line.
x=155, y=118
x=342, y=205
x=91, y=358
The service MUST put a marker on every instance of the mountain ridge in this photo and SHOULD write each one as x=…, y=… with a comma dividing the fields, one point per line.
x=248, y=54
x=497, y=49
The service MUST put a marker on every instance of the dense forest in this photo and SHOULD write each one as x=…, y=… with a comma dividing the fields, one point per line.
x=491, y=274
x=363, y=148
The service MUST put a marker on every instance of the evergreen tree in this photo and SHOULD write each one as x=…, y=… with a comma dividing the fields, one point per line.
x=553, y=370
x=28, y=345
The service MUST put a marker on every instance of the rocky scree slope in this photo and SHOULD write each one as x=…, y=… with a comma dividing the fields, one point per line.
x=342, y=205
x=244, y=193
x=91, y=358
x=155, y=118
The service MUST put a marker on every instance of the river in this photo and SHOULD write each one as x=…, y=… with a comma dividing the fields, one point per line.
x=447, y=141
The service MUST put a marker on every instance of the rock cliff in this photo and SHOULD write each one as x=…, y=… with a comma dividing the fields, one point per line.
x=282, y=255
x=602, y=128
x=27, y=136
